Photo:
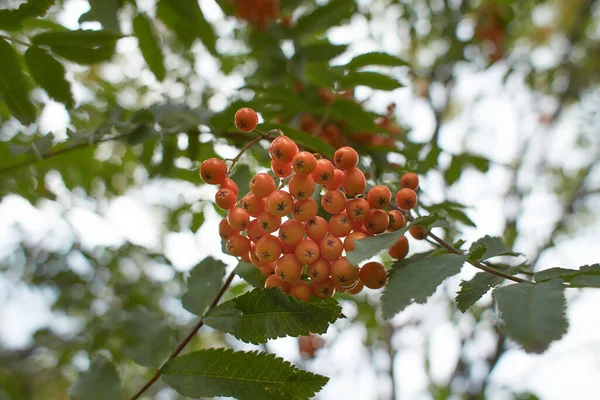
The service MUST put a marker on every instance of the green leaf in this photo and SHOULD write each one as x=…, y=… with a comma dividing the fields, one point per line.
x=203, y=285
x=472, y=290
x=480, y=163
x=321, y=51
x=376, y=58
x=105, y=12
x=50, y=75
x=100, y=382
x=10, y=20
x=241, y=176
x=148, y=42
x=460, y=216
x=321, y=74
x=585, y=276
x=454, y=170
x=148, y=338
x=80, y=46
x=493, y=247
x=358, y=118
x=243, y=375
x=371, y=246
x=14, y=87
x=84, y=55
x=374, y=80
x=250, y=274
x=413, y=281
x=302, y=138
x=533, y=315
x=322, y=18
x=260, y=315
x=187, y=20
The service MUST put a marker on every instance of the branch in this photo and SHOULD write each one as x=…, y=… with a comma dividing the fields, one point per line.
x=12, y=39
x=187, y=339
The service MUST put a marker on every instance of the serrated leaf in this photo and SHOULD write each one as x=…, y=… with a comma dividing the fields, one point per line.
x=105, y=12
x=11, y=19
x=322, y=51
x=243, y=375
x=14, y=87
x=260, y=315
x=203, y=285
x=148, y=42
x=374, y=80
x=532, y=315
x=371, y=246
x=302, y=138
x=99, y=382
x=375, y=58
x=474, y=289
x=50, y=75
x=493, y=247
x=148, y=338
x=250, y=274
x=477, y=251
x=413, y=281
x=324, y=17
x=585, y=276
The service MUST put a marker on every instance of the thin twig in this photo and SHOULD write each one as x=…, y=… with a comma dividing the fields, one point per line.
x=246, y=147
x=12, y=39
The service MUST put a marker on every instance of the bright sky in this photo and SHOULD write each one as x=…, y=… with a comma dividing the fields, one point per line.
x=493, y=121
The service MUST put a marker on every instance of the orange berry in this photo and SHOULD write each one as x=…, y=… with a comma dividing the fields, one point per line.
x=267, y=269
x=323, y=172
x=379, y=196
x=302, y=186
x=262, y=185
x=213, y=171
x=297, y=86
x=334, y=202
x=225, y=199
x=349, y=241
x=409, y=180
x=307, y=251
x=323, y=289
x=283, y=149
x=358, y=209
x=253, y=204
x=399, y=250
x=268, y=248
x=246, y=119
x=326, y=96
x=373, y=275
x=238, y=219
x=280, y=169
x=291, y=232
x=304, y=163
x=254, y=231
x=354, y=182
x=304, y=210
x=288, y=248
x=288, y=268
x=226, y=231
x=336, y=182
x=377, y=222
x=406, y=199
x=245, y=257
x=331, y=248
x=343, y=273
x=396, y=220
x=316, y=228
x=357, y=224
x=308, y=123
x=269, y=222
x=418, y=232
x=280, y=203
x=230, y=184
x=238, y=245
x=339, y=225
x=357, y=288
x=319, y=270
x=254, y=258
x=301, y=290
x=273, y=281
x=345, y=158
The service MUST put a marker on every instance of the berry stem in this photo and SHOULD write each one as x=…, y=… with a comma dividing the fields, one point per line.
x=187, y=339
x=246, y=147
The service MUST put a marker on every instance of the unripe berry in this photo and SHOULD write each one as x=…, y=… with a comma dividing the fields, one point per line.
x=213, y=171
x=246, y=119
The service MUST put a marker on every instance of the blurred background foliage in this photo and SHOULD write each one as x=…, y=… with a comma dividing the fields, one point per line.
x=148, y=89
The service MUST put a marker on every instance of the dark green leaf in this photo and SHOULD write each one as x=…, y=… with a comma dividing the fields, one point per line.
x=11, y=19
x=142, y=133
x=375, y=58
x=241, y=176
x=148, y=42
x=321, y=51
x=81, y=46
x=148, y=338
x=250, y=274
x=14, y=87
x=533, y=315
x=187, y=20
x=261, y=314
x=105, y=12
x=472, y=290
x=481, y=163
x=84, y=55
x=454, y=171
x=374, y=80
x=100, y=382
x=322, y=18
x=203, y=285
x=243, y=375
x=585, y=276
x=493, y=247
x=302, y=138
x=50, y=75
x=413, y=281
x=197, y=221
x=371, y=246
x=357, y=117
x=321, y=74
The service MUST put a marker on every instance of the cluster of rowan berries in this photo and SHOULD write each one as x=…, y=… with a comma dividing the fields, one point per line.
x=257, y=12
x=277, y=229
